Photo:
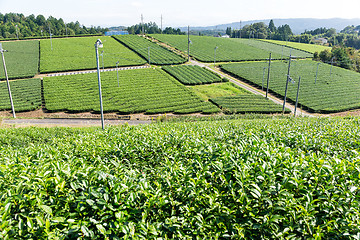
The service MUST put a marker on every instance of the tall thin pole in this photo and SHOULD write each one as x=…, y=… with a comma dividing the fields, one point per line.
x=317, y=70
x=268, y=77
x=50, y=38
x=215, y=55
x=97, y=45
x=188, y=43
x=7, y=81
x=287, y=83
x=161, y=23
x=142, y=24
x=240, y=30
x=117, y=72
x=297, y=96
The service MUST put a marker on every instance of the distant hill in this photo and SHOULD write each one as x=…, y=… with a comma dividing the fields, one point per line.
x=298, y=25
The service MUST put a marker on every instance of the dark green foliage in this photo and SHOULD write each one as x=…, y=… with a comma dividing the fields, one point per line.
x=145, y=90
x=22, y=59
x=26, y=95
x=335, y=92
x=38, y=26
x=150, y=51
x=193, y=75
x=247, y=103
x=252, y=179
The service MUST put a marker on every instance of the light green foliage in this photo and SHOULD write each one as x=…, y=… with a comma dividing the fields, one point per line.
x=79, y=54
x=26, y=95
x=143, y=90
x=311, y=48
x=202, y=48
x=253, y=179
x=146, y=48
x=247, y=103
x=22, y=59
x=193, y=75
x=331, y=93
x=218, y=90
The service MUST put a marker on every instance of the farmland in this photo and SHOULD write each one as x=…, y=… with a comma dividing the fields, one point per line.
x=79, y=54
x=311, y=48
x=203, y=48
x=217, y=90
x=193, y=75
x=26, y=95
x=331, y=93
x=150, y=51
x=254, y=179
x=144, y=90
x=22, y=59
x=247, y=103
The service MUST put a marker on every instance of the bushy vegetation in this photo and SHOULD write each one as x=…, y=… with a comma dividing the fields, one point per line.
x=247, y=103
x=202, y=48
x=22, y=59
x=26, y=95
x=144, y=90
x=79, y=53
x=193, y=75
x=335, y=90
x=253, y=179
x=311, y=48
x=151, y=51
x=14, y=25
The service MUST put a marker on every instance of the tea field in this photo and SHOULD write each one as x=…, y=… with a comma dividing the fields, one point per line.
x=79, y=54
x=336, y=89
x=26, y=95
x=253, y=179
x=311, y=48
x=22, y=59
x=202, y=48
x=142, y=90
x=193, y=75
x=150, y=51
x=247, y=103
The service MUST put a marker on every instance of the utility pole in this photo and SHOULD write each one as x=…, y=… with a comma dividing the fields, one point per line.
x=287, y=83
x=50, y=38
x=268, y=77
x=215, y=55
x=17, y=33
x=240, y=30
x=98, y=44
x=297, y=96
x=7, y=80
x=142, y=24
x=117, y=73
x=189, y=43
x=161, y=23
x=317, y=70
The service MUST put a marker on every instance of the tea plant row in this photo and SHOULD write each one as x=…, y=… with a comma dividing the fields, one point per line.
x=193, y=75
x=253, y=179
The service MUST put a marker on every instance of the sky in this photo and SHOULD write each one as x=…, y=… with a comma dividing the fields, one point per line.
x=107, y=13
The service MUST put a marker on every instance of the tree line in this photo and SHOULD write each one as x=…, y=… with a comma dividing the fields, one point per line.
x=152, y=28
x=15, y=25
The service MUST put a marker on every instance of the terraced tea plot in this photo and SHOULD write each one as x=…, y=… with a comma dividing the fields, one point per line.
x=79, y=54
x=247, y=103
x=253, y=179
x=22, y=59
x=202, y=48
x=26, y=95
x=311, y=48
x=331, y=93
x=193, y=75
x=150, y=50
x=143, y=90
x=217, y=90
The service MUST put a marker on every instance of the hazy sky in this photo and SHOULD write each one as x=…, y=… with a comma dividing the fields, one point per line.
x=180, y=13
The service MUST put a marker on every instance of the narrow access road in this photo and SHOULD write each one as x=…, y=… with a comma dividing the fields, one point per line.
x=52, y=122
x=253, y=90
